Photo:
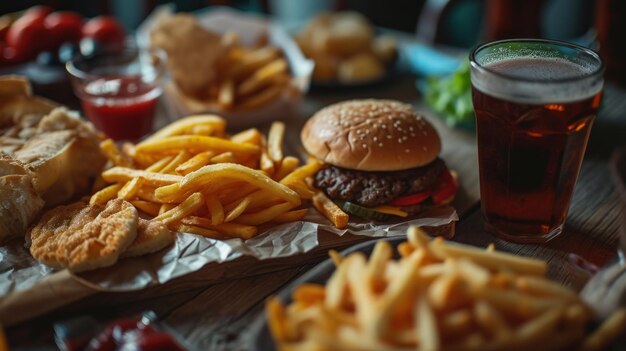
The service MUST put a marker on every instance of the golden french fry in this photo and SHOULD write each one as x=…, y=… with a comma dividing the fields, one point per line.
x=331, y=211
x=309, y=294
x=249, y=136
x=121, y=174
x=378, y=260
x=184, y=125
x=302, y=189
x=211, y=173
x=158, y=165
x=277, y=319
x=336, y=257
x=166, y=207
x=215, y=210
x=202, y=129
x=185, y=208
x=235, y=210
x=447, y=293
x=287, y=165
x=265, y=215
x=474, y=275
x=417, y=237
x=543, y=287
x=143, y=160
x=540, y=328
x=208, y=233
x=262, y=97
x=180, y=158
x=130, y=189
x=490, y=260
x=147, y=207
x=516, y=303
x=113, y=154
x=235, y=230
x=236, y=54
x=262, y=199
x=275, y=141
x=266, y=163
x=302, y=172
x=337, y=284
x=147, y=194
x=252, y=61
x=262, y=77
x=491, y=321
x=196, y=143
x=128, y=149
x=170, y=193
x=291, y=216
x=426, y=325
x=224, y=157
x=226, y=94
x=103, y=196
x=239, y=191
x=195, y=163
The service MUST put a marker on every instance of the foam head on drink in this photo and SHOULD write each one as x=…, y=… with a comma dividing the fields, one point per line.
x=534, y=112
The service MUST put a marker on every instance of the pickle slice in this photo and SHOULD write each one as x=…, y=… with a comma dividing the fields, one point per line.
x=363, y=212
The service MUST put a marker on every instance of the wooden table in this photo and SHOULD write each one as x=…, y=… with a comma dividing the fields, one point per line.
x=216, y=315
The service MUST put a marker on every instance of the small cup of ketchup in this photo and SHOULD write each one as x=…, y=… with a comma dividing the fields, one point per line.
x=119, y=88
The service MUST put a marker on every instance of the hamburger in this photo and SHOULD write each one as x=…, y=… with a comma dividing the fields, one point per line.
x=382, y=159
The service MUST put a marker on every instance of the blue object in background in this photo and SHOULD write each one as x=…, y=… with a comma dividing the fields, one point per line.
x=425, y=61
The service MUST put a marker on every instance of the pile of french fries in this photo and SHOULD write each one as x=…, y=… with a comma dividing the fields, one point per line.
x=249, y=77
x=192, y=177
x=437, y=296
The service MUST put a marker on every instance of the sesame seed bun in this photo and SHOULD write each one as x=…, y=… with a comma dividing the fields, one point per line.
x=371, y=135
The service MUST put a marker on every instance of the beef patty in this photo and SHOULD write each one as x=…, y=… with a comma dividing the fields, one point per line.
x=372, y=189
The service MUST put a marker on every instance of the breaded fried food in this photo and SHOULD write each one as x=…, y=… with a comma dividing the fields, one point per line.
x=192, y=52
x=152, y=236
x=23, y=208
x=83, y=237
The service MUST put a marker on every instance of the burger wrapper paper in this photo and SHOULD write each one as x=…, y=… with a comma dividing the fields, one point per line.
x=29, y=288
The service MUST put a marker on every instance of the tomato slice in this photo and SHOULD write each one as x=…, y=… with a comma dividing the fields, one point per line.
x=411, y=200
x=445, y=188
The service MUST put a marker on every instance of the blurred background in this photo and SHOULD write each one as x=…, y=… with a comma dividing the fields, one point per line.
x=459, y=23
x=451, y=27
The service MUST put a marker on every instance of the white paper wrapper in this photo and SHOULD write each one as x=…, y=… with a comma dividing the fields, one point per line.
x=19, y=272
x=249, y=28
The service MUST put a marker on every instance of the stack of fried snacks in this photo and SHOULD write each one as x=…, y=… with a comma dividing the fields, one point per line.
x=437, y=296
x=216, y=68
x=192, y=177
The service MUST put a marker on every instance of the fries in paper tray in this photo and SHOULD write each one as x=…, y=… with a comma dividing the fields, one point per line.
x=222, y=61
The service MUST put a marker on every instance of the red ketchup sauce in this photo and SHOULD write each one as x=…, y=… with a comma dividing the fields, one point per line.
x=122, y=107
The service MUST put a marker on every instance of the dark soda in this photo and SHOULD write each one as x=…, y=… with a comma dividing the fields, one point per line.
x=530, y=150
